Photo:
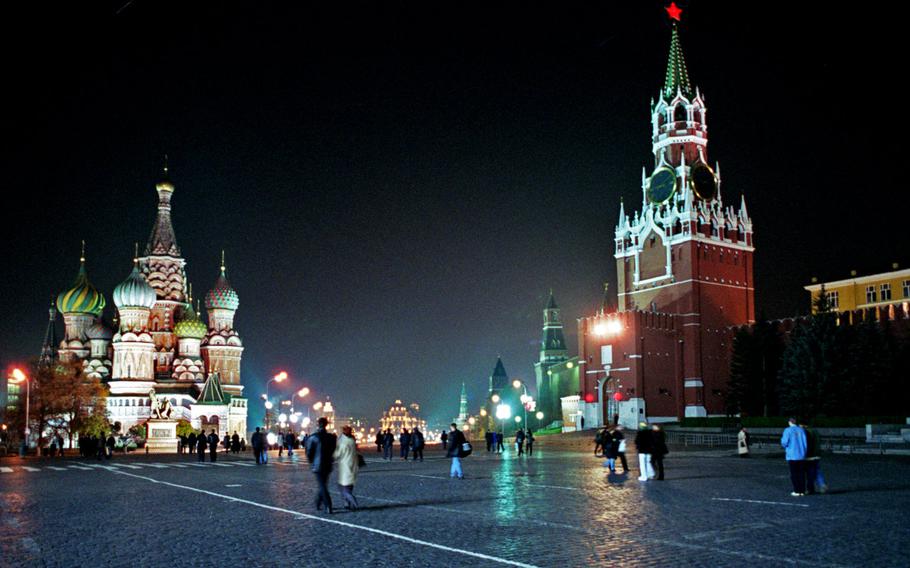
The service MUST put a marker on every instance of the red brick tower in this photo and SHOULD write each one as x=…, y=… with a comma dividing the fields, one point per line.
x=686, y=254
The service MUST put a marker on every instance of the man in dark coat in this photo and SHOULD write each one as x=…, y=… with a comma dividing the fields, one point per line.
x=319, y=449
x=235, y=443
x=644, y=445
x=289, y=443
x=530, y=442
x=191, y=443
x=456, y=439
x=200, y=446
x=256, y=441
x=417, y=443
x=213, y=445
x=405, y=440
x=658, y=450
x=445, y=438
x=520, y=441
x=388, y=442
x=111, y=444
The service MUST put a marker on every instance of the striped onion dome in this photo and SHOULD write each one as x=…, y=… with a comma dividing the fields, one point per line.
x=135, y=292
x=82, y=298
x=99, y=331
x=222, y=296
x=190, y=326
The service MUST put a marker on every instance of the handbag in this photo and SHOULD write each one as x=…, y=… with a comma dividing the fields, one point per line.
x=465, y=450
x=622, y=446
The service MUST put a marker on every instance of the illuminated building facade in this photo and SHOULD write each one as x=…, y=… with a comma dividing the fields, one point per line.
x=864, y=292
x=398, y=417
x=158, y=340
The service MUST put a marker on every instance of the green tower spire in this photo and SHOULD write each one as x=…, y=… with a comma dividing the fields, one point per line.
x=677, y=76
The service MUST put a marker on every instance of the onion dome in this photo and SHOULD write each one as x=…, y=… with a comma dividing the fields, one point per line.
x=135, y=292
x=99, y=331
x=222, y=296
x=82, y=298
x=190, y=326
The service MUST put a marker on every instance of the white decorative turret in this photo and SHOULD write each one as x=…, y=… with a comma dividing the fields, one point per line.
x=134, y=348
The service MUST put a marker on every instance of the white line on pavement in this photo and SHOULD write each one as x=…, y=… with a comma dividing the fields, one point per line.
x=234, y=485
x=219, y=464
x=29, y=468
x=82, y=467
x=178, y=465
x=760, y=502
x=129, y=466
x=55, y=468
x=158, y=465
x=245, y=464
x=340, y=523
x=6, y=470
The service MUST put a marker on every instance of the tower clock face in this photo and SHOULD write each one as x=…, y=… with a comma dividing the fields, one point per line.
x=704, y=182
x=662, y=185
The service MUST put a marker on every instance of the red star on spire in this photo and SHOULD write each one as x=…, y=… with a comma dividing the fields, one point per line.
x=673, y=11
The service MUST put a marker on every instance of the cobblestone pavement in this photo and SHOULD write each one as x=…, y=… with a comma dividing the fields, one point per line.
x=557, y=508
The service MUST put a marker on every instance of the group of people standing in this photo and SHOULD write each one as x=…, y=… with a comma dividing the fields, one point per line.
x=494, y=442
x=410, y=443
x=802, y=448
x=97, y=447
x=650, y=443
x=190, y=443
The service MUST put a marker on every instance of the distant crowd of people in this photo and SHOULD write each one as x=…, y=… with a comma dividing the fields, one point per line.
x=411, y=443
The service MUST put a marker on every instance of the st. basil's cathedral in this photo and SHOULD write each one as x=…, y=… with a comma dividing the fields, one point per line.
x=158, y=345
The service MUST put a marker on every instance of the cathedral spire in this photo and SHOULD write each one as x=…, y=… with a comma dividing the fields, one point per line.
x=163, y=241
x=46, y=360
x=677, y=79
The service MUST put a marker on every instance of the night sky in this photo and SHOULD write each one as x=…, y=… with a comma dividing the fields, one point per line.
x=397, y=188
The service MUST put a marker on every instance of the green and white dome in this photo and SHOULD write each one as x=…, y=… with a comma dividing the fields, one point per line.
x=190, y=326
x=82, y=298
x=135, y=292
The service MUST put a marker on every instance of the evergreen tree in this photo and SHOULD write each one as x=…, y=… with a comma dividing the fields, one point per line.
x=744, y=374
x=809, y=365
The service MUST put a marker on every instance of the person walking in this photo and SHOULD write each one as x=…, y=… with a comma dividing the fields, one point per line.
x=347, y=461
x=488, y=438
x=213, y=445
x=456, y=439
x=417, y=443
x=405, y=440
x=610, y=450
x=388, y=442
x=320, y=447
x=793, y=441
x=601, y=440
x=111, y=444
x=815, y=482
x=644, y=446
x=499, y=446
x=289, y=443
x=620, y=440
x=200, y=447
x=529, y=440
x=742, y=442
x=378, y=441
x=256, y=441
x=658, y=450
x=520, y=441
x=235, y=443
x=191, y=441
x=280, y=443
x=445, y=438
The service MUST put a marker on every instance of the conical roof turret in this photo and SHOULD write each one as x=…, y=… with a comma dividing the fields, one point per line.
x=82, y=297
x=677, y=76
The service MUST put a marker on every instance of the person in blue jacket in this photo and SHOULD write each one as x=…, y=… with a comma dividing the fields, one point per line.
x=794, y=443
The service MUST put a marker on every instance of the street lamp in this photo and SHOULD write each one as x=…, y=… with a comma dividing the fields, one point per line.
x=503, y=412
x=18, y=376
x=495, y=398
x=539, y=417
x=524, y=397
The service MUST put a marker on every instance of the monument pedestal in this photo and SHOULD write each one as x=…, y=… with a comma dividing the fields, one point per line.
x=162, y=436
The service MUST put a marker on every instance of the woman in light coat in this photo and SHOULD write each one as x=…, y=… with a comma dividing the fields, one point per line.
x=742, y=443
x=347, y=464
